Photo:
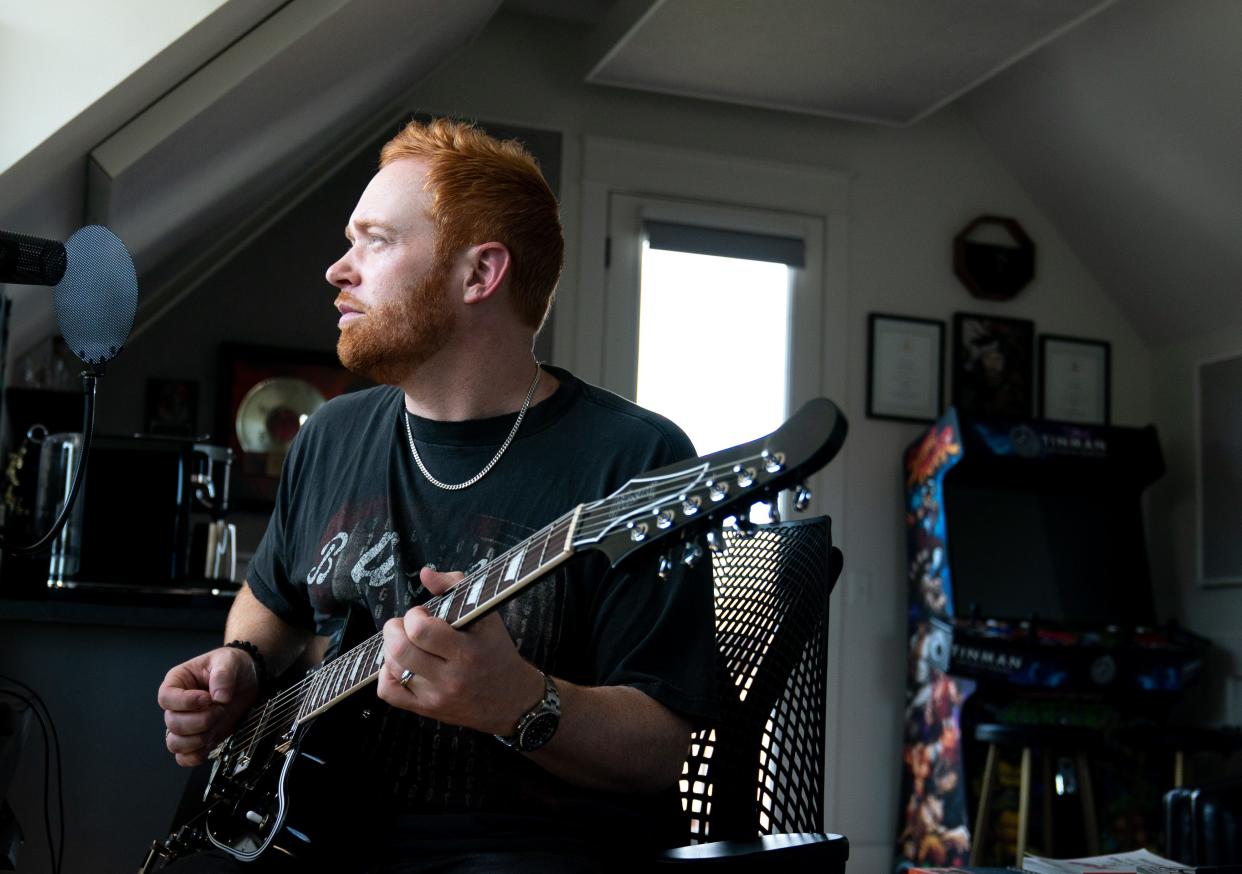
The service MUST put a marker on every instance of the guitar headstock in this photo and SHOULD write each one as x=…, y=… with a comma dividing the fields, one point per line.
x=678, y=502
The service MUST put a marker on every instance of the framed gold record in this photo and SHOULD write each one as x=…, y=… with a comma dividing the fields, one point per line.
x=266, y=395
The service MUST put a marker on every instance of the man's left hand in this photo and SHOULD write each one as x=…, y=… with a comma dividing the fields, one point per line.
x=473, y=677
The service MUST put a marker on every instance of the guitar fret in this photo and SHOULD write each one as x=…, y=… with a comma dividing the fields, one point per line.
x=446, y=604
x=534, y=559
x=311, y=701
x=492, y=584
x=514, y=566
x=458, y=596
x=334, y=679
x=496, y=583
x=358, y=670
x=543, y=551
x=476, y=588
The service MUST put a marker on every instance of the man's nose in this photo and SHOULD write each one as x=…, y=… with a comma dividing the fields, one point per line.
x=341, y=273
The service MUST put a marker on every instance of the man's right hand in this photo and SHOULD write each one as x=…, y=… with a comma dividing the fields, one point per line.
x=203, y=700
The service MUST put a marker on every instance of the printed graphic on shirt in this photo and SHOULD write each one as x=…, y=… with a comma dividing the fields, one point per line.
x=361, y=559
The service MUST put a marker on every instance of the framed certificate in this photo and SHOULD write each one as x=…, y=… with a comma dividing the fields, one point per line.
x=1074, y=379
x=905, y=370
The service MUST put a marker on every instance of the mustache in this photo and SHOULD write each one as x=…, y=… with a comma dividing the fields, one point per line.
x=348, y=300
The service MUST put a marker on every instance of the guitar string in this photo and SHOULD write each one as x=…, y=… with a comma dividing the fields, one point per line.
x=289, y=703
x=286, y=706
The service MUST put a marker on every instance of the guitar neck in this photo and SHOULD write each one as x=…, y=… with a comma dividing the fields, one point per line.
x=477, y=594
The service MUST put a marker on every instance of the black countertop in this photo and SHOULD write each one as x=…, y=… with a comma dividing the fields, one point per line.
x=195, y=612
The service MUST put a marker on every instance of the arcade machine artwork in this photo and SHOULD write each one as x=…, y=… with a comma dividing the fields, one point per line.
x=934, y=829
x=1027, y=570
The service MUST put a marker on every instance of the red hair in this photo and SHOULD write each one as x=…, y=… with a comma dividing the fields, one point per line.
x=485, y=190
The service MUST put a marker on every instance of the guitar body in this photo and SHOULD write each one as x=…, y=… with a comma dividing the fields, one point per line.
x=249, y=794
x=269, y=798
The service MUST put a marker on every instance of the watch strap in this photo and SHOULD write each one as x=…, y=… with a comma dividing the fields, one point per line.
x=547, y=708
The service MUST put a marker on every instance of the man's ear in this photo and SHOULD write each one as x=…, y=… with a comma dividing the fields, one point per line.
x=489, y=265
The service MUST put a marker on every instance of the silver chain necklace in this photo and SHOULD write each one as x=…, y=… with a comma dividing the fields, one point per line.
x=453, y=487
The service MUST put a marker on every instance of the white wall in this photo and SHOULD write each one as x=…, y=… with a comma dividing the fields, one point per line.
x=911, y=191
x=60, y=56
x=1215, y=612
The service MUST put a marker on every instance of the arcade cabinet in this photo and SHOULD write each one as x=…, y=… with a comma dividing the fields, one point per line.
x=1029, y=589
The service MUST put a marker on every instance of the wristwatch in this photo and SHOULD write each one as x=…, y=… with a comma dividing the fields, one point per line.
x=539, y=723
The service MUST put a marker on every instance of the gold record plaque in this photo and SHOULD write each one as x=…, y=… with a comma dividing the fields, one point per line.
x=270, y=414
x=266, y=395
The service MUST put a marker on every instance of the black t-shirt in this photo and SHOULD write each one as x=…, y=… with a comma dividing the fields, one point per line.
x=355, y=521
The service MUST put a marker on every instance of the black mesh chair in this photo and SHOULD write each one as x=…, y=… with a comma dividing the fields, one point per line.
x=753, y=785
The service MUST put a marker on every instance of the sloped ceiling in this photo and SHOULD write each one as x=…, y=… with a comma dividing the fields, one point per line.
x=238, y=142
x=1122, y=119
x=892, y=62
x=230, y=133
x=1127, y=132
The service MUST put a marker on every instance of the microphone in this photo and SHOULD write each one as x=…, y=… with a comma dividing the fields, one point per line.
x=96, y=286
x=30, y=260
x=98, y=297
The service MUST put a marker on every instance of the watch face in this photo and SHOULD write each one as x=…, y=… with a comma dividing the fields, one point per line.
x=538, y=731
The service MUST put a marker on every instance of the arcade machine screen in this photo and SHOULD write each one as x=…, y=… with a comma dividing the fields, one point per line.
x=1070, y=552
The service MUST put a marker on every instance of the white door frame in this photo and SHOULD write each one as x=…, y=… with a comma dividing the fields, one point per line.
x=583, y=329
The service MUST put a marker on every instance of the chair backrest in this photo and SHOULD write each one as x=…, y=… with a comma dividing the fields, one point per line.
x=760, y=770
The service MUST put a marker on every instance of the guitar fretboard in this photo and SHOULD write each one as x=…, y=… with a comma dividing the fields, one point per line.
x=475, y=595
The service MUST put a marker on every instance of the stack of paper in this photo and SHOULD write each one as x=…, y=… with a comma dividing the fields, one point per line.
x=1137, y=862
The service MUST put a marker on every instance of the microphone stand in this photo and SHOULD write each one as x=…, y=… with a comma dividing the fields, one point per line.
x=90, y=379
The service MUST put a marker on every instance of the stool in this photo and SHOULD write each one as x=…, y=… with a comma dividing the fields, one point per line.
x=1031, y=738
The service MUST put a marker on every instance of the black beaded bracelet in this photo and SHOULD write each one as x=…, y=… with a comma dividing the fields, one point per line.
x=260, y=664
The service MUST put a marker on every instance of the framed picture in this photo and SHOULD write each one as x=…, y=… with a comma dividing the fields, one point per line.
x=1074, y=379
x=265, y=395
x=993, y=366
x=172, y=407
x=1218, y=420
x=905, y=368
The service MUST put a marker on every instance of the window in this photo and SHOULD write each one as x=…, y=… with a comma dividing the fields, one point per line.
x=693, y=310
x=714, y=296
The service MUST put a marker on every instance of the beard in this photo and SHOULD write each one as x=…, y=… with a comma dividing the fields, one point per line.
x=394, y=338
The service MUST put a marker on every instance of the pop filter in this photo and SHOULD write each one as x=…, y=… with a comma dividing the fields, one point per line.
x=96, y=300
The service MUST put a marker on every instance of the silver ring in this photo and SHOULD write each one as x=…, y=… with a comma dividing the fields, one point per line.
x=406, y=676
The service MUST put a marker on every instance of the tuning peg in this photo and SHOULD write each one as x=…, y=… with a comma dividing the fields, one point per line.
x=773, y=462
x=693, y=552
x=774, y=510
x=666, y=566
x=742, y=524
x=802, y=497
x=715, y=540
x=745, y=475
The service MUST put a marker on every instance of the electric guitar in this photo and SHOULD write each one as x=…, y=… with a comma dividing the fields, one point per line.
x=258, y=771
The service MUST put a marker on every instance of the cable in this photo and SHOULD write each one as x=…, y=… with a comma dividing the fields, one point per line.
x=90, y=380
x=55, y=851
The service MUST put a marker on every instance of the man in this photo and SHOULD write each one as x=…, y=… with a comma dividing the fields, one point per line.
x=387, y=495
